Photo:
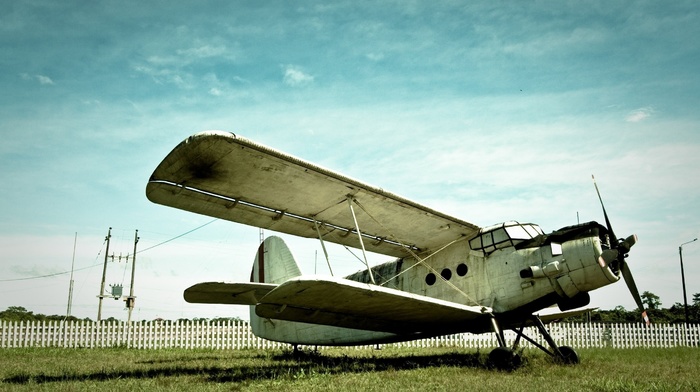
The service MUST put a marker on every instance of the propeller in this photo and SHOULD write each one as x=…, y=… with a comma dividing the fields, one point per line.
x=617, y=254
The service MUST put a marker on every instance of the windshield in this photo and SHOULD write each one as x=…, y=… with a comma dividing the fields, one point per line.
x=503, y=235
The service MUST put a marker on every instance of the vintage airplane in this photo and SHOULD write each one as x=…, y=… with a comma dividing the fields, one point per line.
x=449, y=276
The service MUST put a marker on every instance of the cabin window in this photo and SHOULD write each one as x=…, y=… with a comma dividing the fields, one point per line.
x=556, y=249
x=462, y=269
x=446, y=274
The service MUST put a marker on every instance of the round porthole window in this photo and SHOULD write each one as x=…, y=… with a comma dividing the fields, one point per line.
x=430, y=279
x=462, y=269
x=446, y=273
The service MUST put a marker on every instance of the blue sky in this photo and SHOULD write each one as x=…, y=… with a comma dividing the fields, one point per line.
x=488, y=111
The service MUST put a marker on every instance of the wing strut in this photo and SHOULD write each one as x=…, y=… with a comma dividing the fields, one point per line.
x=419, y=260
x=359, y=235
x=323, y=245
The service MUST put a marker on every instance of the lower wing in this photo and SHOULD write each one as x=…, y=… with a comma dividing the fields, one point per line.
x=349, y=304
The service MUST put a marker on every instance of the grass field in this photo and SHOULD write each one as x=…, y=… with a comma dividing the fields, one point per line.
x=439, y=369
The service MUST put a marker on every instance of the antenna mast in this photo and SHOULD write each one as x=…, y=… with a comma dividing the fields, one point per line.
x=70, y=287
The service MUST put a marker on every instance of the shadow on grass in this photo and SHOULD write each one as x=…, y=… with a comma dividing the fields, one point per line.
x=288, y=365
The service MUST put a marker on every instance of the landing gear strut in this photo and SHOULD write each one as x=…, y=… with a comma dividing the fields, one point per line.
x=503, y=357
x=506, y=358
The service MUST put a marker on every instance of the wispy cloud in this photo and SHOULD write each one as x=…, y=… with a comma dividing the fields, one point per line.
x=375, y=56
x=165, y=75
x=295, y=77
x=42, y=79
x=639, y=115
x=204, y=51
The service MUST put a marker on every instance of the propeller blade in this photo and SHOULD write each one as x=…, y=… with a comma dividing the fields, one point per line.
x=613, y=239
x=617, y=252
x=627, y=274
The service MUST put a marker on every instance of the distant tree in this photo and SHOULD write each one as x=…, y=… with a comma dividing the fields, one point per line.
x=17, y=313
x=224, y=319
x=617, y=315
x=694, y=309
x=651, y=300
x=110, y=319
x=57, y=317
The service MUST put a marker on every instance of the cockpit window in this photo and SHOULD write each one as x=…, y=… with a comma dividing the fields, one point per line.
x=503, y=235
x=517, y=232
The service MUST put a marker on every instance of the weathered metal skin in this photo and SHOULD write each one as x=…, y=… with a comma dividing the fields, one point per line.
x=448, y=275
x=558, y=268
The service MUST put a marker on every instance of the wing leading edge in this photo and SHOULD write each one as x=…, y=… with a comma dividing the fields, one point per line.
x=227, y=176
x=349, y=304
x=345, y=303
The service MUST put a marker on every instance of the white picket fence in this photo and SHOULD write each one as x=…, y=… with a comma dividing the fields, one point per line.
x=238, y=335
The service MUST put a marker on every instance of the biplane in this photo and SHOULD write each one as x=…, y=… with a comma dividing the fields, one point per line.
x=446, y=276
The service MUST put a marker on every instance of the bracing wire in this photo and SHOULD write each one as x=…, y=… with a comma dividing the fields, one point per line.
x=95, y=265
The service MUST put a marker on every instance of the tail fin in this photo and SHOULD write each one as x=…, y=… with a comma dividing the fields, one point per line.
x=274, y=263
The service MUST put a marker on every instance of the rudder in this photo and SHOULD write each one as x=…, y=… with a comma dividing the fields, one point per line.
x=274, y=262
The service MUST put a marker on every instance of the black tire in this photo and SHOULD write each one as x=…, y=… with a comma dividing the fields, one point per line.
x=503, y=358
x=568, y=356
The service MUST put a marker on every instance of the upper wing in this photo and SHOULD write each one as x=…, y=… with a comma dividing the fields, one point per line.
x=227, y=293
x=349, y=304
x=226, y=176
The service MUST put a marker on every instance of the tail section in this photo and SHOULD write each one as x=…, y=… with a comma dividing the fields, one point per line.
x=274, y=263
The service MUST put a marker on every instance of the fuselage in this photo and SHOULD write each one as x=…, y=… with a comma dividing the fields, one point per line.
x=507, y=272
x=514, y=269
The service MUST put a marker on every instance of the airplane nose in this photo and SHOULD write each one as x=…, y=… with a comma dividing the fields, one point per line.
x=607, y=257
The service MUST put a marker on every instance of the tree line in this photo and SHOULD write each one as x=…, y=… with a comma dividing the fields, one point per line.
x=657, y=314
x=19, y=313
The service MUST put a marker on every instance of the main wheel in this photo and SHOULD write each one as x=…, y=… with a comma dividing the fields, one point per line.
x=568, y=356
x=503, y=358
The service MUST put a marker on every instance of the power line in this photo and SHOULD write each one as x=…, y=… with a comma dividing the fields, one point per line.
x=181, y=235
x=47, y=276
x=96, y=265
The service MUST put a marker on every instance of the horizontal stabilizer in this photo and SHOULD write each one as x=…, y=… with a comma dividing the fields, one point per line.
x=227, y=293
x=349, y=304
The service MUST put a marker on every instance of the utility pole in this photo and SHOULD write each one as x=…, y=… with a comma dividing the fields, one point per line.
x=104, y=276
x=131, y=299
x=70, y=287
x=685, y=297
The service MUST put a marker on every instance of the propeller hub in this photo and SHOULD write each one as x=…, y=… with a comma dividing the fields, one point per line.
x=625, y=245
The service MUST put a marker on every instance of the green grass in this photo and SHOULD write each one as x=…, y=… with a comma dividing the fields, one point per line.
x=439, y=369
